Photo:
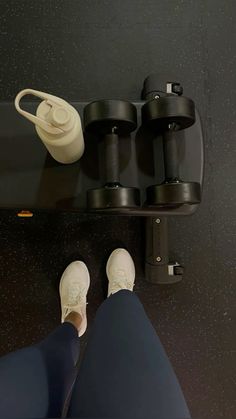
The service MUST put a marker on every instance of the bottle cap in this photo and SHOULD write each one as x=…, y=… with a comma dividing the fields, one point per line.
x=54, y=115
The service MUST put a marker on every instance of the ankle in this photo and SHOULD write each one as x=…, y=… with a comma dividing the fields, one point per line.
x=74, y=318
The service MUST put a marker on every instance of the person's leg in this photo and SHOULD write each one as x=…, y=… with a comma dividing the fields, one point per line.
x=37, y=381
x=125, y=371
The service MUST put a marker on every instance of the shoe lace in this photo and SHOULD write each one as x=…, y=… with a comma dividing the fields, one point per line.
x=75, y=299
x=120, y=280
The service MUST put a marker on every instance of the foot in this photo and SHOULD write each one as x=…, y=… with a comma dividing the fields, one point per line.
x=73, y=290
x=120, y=271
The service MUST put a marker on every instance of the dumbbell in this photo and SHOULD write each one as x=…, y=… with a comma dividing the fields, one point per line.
x=165, y=113
x=109, y=120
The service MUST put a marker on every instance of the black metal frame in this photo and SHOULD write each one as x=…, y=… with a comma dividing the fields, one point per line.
x=30, y=179
x=158, y=268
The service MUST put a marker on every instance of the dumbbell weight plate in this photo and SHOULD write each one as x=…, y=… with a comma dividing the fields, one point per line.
x=113, y=197
x=158, y=114
x=102, y=116
x=174, y=193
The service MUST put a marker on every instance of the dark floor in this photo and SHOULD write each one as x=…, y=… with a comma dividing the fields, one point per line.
x=102, y=49
x=194, y=318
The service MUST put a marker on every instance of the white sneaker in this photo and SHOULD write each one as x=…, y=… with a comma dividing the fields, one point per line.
x=73, y=290
x=120, y=271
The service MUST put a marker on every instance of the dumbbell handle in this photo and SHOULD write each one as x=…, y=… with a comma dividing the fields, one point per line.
x=171, y=159
x=112, y=169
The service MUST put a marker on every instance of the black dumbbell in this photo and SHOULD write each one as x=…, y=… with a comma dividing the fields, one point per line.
x=165, y=113
x=108, y=120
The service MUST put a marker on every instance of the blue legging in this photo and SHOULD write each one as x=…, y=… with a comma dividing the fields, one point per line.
x=124, y=373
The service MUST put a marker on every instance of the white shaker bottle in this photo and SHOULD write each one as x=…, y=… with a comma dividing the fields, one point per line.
x=57, y=124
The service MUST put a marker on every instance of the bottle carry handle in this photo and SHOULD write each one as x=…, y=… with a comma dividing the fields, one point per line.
x=56, y=105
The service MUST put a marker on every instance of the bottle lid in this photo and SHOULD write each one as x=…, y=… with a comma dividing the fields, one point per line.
x=54, y=115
